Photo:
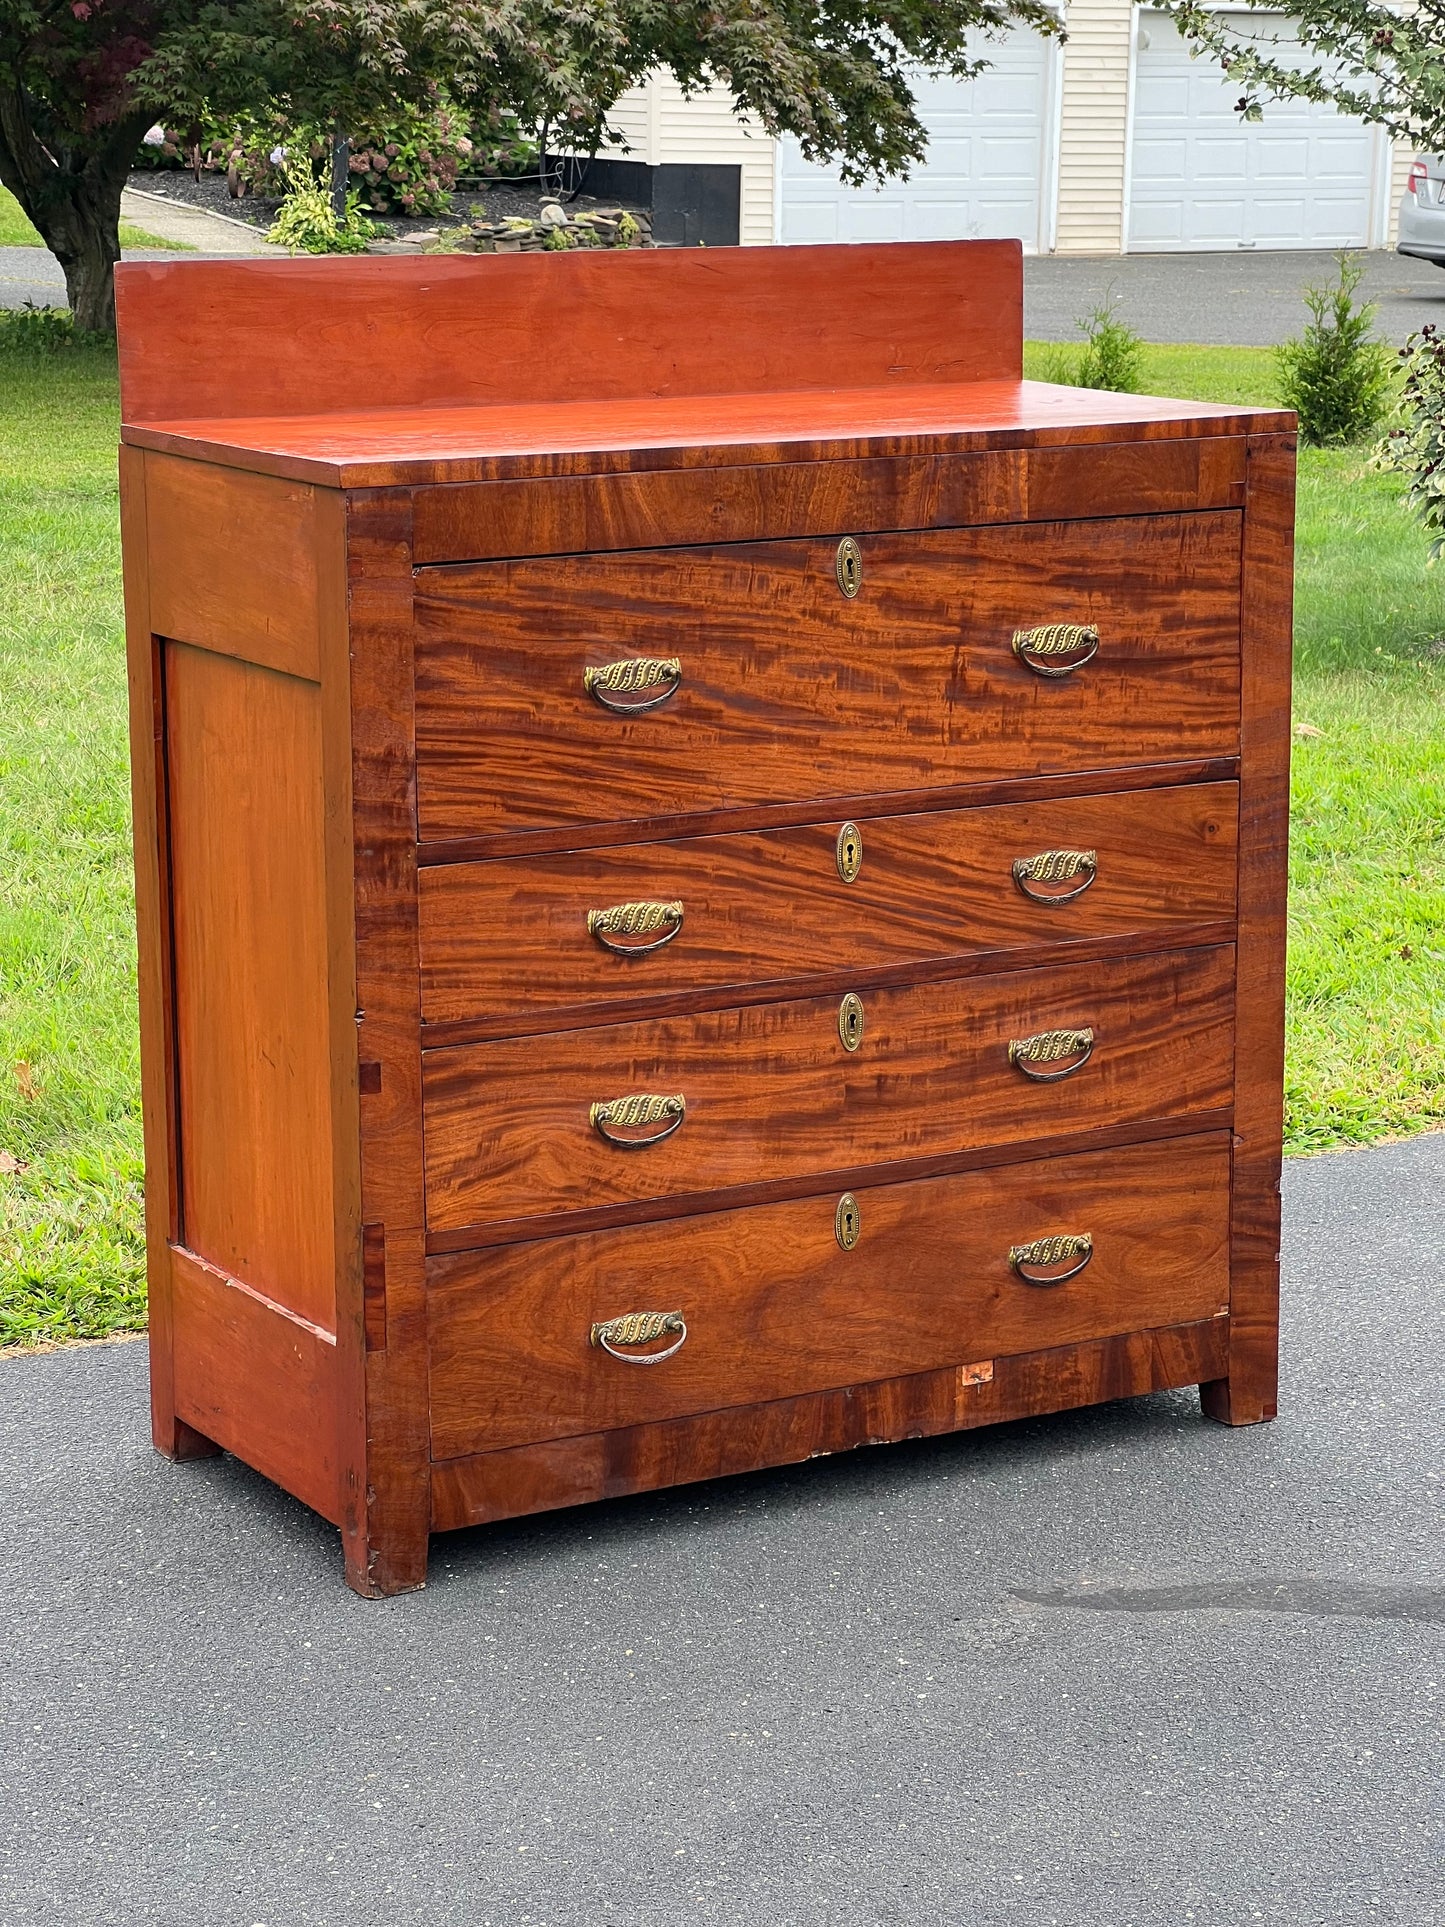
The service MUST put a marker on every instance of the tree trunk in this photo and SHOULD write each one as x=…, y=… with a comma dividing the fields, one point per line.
x=71, y=195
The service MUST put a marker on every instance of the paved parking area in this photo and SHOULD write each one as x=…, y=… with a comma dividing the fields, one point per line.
x=1240, y=299
x=1117, y=1669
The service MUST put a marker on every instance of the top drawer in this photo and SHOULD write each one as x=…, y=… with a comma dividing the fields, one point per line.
x=790, y=691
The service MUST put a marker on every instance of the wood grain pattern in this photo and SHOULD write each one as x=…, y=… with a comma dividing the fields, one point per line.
x=771, y=1092
x=258, y=1380
x=245, y=817
x=233, y=563
x=507, y=942
x=1248, y=1392
x=460, y=523
x=789, y=690
x=714, y=1445
x=386, y=1551
x=155, y=985
x=435, y=444
x=861, y=806
x=331, y=337
x=774, y=1307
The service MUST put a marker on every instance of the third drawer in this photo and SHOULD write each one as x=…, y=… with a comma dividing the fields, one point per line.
x=772, y=1092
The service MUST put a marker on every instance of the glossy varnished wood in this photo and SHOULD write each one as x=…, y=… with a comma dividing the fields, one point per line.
x=155, y=981
x=244, y=796
x=789, y=690
x=1249, y=1390
x=505, y=945
x=326, y=338
x=253, y=1377
x=713, y=1445
x=458, y=523
x=234, y=563
x=773, y=1306
x=362, y=879
x=772, y=1094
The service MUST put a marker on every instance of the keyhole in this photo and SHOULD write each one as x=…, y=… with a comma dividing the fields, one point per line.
x=850, y=1021
x=850, y=851
x=847, y=1221
x=850, y=567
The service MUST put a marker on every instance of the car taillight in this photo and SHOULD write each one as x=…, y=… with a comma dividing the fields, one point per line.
x=1413, y=179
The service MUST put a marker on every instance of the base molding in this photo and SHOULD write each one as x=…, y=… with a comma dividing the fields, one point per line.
x=608, y=1465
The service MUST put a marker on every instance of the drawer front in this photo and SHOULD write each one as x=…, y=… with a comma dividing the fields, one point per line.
x=771, y=1092
x=773, y=1306
x=789, y=690
x=512, y=940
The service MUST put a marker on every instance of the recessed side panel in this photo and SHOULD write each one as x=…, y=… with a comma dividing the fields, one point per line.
x=244, y=790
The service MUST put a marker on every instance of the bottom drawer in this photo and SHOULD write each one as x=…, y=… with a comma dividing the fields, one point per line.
x=773, y=1304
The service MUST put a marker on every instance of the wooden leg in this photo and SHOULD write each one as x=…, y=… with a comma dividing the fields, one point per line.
x=391, y=1563
x=1246, y=1397
x=174, y=1439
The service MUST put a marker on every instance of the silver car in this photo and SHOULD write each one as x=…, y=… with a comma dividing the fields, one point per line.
x=1422, y=210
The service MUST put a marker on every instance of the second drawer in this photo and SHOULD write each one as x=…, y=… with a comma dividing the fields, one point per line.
x=672, y=1108
x=523, y=937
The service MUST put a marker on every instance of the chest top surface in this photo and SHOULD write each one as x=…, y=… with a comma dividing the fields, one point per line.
x=394, y=372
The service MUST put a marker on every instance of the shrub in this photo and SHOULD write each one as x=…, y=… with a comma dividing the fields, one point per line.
x=1417, y=446
x=29, y=330
x=308, y=223
x=502, y=148
x=1335, y=375
x=1111, y=356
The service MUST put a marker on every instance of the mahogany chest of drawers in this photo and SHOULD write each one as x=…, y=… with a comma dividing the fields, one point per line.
x=710, y=868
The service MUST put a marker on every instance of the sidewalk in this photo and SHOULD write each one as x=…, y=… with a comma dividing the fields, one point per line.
x=32, y=274
x=1113, y=1669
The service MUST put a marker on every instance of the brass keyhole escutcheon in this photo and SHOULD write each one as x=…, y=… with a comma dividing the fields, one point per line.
x=850, y=1021
x=850, y=851
x=850, y=567
x=847, y=1221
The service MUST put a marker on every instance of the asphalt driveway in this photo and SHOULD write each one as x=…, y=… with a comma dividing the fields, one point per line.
x=1115, y=1669
x=1239, y=299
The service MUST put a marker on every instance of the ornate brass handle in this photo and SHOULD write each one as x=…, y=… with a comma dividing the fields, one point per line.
x=1051, y=1047
x=640, y=1328
x=1056, y=648
x=1056, y=866
x=654, y=923
x=1046, y=1252
x=632, y=688
x=641, y=1112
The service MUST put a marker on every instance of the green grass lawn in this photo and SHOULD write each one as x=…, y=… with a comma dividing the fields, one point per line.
x=16, y=231
x=1367, y=925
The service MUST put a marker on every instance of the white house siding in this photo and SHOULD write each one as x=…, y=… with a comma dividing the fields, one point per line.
x=1093, y=126
x=1086, y=144
x=664, y=127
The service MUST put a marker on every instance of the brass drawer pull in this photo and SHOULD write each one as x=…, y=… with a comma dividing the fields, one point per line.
x=1057, y=648
x=1056, y=866
x=640, y=1112
x=1050, y=1047
x=1046, y=1252
x=640, y=1328
x=632, y=688
x=655, y=923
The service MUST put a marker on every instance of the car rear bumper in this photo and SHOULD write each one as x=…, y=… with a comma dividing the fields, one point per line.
x=1422, y=229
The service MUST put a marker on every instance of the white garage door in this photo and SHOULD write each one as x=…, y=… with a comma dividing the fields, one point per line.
x=1303, y=177
x=984, y=176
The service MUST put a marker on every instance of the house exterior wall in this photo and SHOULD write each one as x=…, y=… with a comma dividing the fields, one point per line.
x=1091, y=165
x=663, y=127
